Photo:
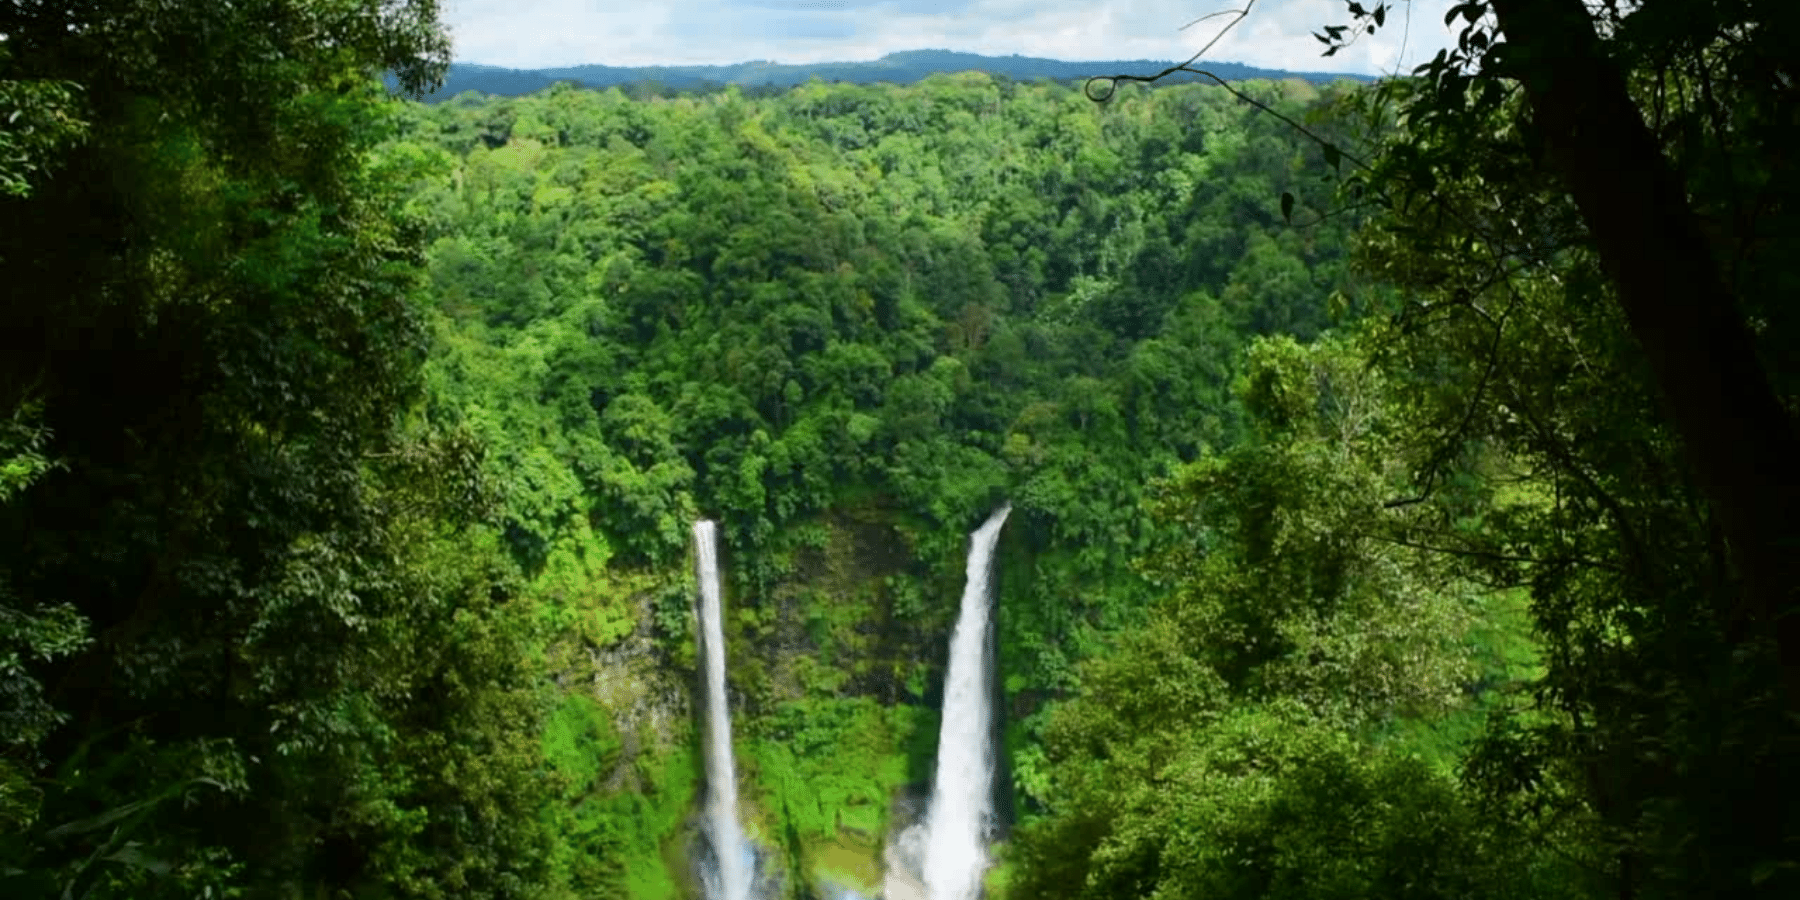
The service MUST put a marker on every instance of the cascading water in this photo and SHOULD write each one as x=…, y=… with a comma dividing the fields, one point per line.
x=962, y=795
x=732, y=854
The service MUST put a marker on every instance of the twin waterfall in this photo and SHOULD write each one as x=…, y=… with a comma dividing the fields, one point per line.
x=962, y=796
x=733, y=859
x=961, y=810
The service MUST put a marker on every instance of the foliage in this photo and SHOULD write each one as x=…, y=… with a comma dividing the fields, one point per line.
x=40, y=121
x=1650, y=585
x=902, y=303
x=252, y=610
x=1573, y=318
x=1299, y=618
x=351, y=448
x=833, y=763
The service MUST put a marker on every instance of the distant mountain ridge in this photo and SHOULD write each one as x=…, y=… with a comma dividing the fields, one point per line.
x=901, y=68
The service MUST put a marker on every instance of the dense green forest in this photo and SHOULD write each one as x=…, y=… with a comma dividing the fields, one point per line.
x=846, y=321
x=1402, y=474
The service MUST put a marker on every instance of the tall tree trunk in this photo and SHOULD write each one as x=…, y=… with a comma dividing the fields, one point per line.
x=1738, y=438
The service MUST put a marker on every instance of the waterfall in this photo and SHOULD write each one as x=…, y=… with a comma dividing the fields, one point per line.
x=962, y=796
x=732, y=856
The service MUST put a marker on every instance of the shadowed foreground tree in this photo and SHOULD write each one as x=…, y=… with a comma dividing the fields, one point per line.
x=252, y=631
x=1635, y=157
x=1575, y=64
x=1589, y=209
x=1740, y=441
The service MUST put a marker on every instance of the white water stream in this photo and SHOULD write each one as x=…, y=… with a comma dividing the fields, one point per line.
x=732, y=855
x=962, y=795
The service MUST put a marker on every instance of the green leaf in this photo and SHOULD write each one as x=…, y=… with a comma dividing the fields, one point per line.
x=95, y=823
x=1765, y=870
x=133, y=855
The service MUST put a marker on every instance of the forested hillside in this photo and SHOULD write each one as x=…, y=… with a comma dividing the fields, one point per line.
x=895, y=68
x=851, y=316
x=1378, y=528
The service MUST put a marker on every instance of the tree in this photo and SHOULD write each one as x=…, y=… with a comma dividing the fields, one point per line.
x=1641, y=162
x=1587, y=210
x=1574, y=65
x=212, y=348
x=1740, y=439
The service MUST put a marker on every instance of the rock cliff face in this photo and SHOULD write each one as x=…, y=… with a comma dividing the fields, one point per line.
x=650, y=701
x=853, y=634
x=853, y=613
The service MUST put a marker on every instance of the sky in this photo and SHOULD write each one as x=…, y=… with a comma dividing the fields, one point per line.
x=527, y=34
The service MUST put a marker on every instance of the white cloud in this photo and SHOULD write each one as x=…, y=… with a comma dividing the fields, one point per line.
x=1277, y=34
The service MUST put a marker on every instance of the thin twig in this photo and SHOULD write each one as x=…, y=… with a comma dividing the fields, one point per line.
x=1112, y=83
x=1441, y=458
